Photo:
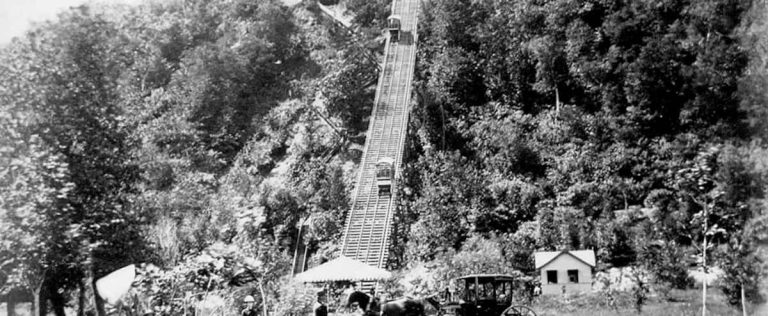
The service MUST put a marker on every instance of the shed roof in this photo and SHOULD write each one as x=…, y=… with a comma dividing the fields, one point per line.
x=542, y=258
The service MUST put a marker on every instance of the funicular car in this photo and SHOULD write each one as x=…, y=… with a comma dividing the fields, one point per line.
x=384, y=174
x=485, y=295
x=393, y=26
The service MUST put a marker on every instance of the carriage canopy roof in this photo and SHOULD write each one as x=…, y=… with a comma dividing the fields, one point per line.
x=488, y=277
x=343, y=269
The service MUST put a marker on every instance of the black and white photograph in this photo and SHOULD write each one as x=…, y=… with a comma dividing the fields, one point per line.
x=383, y=157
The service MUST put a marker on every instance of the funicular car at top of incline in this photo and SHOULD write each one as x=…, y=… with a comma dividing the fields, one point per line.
x=384, y=173
x=393, y=26
x=485, y=295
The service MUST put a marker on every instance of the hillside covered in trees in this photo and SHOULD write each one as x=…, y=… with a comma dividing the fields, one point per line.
x=538, y=120
x=190, y=137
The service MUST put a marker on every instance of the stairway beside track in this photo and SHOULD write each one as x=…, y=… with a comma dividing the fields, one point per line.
x=300, y=254
x=369, y=222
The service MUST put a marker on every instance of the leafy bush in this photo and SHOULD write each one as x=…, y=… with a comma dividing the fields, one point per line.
x=666, y=261
x=370, y=13
x=294, y=298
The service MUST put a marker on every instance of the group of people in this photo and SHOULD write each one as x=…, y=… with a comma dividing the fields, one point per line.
x=320, y=307
x=351, y=297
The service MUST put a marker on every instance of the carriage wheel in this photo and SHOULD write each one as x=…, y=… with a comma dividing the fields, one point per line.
x=519, y=310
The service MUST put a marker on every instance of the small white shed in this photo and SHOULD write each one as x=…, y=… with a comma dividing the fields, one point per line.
x=565, y=271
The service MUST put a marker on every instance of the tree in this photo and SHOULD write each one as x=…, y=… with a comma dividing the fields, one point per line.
x=75, y=115
x=453, y=198
x=477, y=255
x=743, y=271
x=38, y=239
x=667, y=264
x=718, y=185
x=620, y=250
x=346, y=90
x=369, y=13
x=753, y=97
x=744, y=188
x=698, y=185
x=518, y=248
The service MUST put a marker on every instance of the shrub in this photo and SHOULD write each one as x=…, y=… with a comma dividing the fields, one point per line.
x=294, y=298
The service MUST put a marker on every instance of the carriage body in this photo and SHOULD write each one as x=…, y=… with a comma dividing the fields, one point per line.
x=484, y=294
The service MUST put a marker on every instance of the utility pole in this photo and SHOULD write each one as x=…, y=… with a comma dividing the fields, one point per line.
x=704, y=264
x=743, y=301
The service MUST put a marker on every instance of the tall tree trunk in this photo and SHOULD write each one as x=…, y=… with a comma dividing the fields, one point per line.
x=263, y=299
x=704, y=297
x=57, y=301
x=99, y=302
x=81, y=298
x=38, y=299
x=704, y=263
x=10, y=306
x=557, y=102
x=442, y=127
x=743, y=301
x=39, y=305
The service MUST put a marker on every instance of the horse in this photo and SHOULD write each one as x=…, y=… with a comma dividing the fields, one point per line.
x=404, y=306
x=362, y=299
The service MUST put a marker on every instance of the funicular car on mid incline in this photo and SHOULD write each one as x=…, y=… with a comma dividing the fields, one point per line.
x=384, y=174
x=393, y=26
x=485, y=295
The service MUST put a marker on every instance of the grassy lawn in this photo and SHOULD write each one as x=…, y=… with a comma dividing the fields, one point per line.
x=681, y=303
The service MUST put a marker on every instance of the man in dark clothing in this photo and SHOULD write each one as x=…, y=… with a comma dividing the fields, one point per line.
x=319, y=307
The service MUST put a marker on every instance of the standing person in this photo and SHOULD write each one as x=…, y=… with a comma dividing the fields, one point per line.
x=349, y=290
x=346, y=294
x=319, y=307
x=250, y=309
x=374, y=306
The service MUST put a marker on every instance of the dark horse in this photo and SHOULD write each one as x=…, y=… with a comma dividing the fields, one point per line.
x=404, y=306
x=362, y=300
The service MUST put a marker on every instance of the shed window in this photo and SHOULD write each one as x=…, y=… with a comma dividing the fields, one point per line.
x=552, y=276
x=573, y=276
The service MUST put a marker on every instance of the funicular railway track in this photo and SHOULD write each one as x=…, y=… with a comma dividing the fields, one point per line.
x=369, y=222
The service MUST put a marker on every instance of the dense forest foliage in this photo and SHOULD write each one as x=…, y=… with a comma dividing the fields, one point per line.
x=616, y=126
x=144, y=134
x=190, y=137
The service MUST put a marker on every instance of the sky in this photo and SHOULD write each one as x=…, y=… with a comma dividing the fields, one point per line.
x=16, y=15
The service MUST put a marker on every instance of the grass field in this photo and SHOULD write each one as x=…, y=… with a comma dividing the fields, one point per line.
x=681, y=303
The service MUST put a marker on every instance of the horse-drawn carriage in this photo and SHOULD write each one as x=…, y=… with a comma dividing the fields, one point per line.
x=484, y=294
x=477, y=295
